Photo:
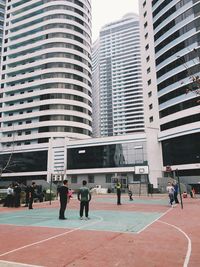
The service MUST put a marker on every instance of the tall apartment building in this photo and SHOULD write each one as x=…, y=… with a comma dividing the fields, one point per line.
x=171, y=36
x=2, y=13
x=95, y=90
x=46, y=72
x=120, y=86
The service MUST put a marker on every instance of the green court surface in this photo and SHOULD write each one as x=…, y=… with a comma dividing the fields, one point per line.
x=148, y=201
x=115, y=221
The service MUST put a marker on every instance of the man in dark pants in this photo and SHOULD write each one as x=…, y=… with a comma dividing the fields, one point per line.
x=63, y=193
x=31, y=195
x=175, y=185
x=27, y=189
x=17, y=192
x=118, y=187
x=84, y=196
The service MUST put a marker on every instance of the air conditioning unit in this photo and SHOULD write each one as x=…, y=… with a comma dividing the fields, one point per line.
x=53, y=177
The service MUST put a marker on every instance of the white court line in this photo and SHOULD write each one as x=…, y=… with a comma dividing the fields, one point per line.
x=55, y=236
x=189, y=249
x=154, y=221
x=18, y=264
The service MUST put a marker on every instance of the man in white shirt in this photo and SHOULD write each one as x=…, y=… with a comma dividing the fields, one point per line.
x=10, y=197
x=170, y=190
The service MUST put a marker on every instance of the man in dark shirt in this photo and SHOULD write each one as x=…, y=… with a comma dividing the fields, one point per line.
x=118, y=187
x=17, y=192
x=63, y=193
x=31, y=195
x=84, y=196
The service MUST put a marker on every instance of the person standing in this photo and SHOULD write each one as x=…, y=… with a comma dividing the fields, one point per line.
x=84, y=196
x=130, y=193
x=31, y=195
x=118, y=187
x=17, y=193
x=175, y=185
x=27, y=189
x=170, y=190
x=63, y=193
x=10, y=197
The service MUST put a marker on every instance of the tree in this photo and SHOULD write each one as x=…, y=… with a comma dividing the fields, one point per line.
x=194, y=86
x=6, y=162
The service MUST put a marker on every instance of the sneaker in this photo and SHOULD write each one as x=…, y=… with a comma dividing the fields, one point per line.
x=87, y=218
x=81, y=218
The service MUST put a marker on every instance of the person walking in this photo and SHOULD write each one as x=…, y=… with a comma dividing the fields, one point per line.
x=118, y=187
x=170, y=190
x=130, y=194
x=84, y=196
x=63, y=194
x=31, y=195
x=175, y=185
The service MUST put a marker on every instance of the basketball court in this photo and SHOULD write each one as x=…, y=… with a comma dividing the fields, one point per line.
x=143, y=232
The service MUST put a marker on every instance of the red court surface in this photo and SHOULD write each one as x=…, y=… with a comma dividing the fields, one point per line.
x=172, y=239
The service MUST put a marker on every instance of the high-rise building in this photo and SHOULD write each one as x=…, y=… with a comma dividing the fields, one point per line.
x=95, y=90
x=120, y=78
x=2, y=13
x=171, y=36
x=46, y=72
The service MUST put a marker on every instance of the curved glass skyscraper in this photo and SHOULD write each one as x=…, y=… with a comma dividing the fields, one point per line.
x=46, y=71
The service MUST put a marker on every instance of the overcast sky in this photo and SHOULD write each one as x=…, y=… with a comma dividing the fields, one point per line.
x=106, y=11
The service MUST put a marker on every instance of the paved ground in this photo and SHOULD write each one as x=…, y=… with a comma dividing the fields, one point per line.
x=145, y=232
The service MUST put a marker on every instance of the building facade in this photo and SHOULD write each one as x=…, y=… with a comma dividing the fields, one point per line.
x=120, y=86
x=171, y=30
x=95, y=90
x=46, y=72
x=98, y=160
x=2, y=14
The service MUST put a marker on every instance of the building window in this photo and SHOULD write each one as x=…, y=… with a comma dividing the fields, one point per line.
x=147, y=47
x=27, y=143
x=144, y=4
x=147, y=59
x=108, y=178
x=150, y=106
x=151, y=119
x=149, y=82
x=91, y=179
x=145, y=25
x=148, y=70
x=74, y=179
x=146, y=35
x=150, y=94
